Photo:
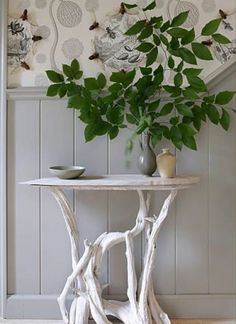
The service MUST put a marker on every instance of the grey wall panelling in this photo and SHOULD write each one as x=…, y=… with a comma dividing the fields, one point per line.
x=196, y=252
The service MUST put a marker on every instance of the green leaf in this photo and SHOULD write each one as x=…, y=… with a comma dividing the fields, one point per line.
x=177, y=32
x=141, y=128
x=187, y=56
x=150, y=91
x=78, y=75
x=224, y=97
x=75, y=66
x=146, y=32
x=102, y=127
x=156, y=40
x=175, y=91
x=212, y=113
x=91, y=84
x=190, y=94
x=156, y=21
x=74, y=102
x=54, y=76
x=89, y=133
x=115, y=88
x=129, y=6
x=211, y=27
x=53, y=90
x=225, y=119
x=202, y=51
x=192, y=72
x=174, y=121
x=190, y=142
x=165, y=26
x=145, y=47
x=178, y=79
x=143, y=83
x=167, y=109
x=156, y=138
x=199, y=112
x=174, y=44
x=135, y=111
x=129, y=77
x=152, y=56
x=221, y=39
x=72, y=89
x=101, y=80
x=67, y=71
x=180, y=66
x=154, y=105
x=186, y=130
x=209, y=99
x=164, y=40
x=184, y=110
x=113, y=115
x=180, y=19
x=151, y=6
x=136, y=28
x=171, y=62
x=197, y=123
x=145, y=70
x=189, y=37
x=197, y=84
x=159, y=75
x=118, y=77
x=175, y=134
x=113, y=132
x=62, y=90
x=131, y=119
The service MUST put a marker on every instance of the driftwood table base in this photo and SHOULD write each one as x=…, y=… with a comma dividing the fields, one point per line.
x=141, y=306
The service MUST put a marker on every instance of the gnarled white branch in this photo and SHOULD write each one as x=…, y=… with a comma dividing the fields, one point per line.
x=141, y=309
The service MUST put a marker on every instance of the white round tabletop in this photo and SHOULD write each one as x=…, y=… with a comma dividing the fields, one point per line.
x=117, y=182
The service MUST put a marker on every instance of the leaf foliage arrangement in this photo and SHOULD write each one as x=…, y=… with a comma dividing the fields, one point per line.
x=134, y=99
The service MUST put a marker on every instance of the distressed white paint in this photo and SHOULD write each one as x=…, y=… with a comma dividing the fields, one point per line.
x=185, y=235
x=142, y=305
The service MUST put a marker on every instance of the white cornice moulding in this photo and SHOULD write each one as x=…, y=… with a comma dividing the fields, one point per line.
x=39, y=93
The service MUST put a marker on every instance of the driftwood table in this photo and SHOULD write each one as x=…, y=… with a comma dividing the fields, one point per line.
x=142, y=306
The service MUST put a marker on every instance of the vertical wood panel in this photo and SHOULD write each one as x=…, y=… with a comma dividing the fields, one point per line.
x=56, y=149
x=164, y=264
x=23, y=201
x=222, y=204
x=123, y=208
x=205, y=221
x=192, y=221
x=91, y=207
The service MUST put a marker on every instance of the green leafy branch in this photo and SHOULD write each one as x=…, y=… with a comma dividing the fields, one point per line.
x=135, y=99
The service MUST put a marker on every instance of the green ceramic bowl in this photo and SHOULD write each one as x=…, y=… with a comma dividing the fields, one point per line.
x=67, y=172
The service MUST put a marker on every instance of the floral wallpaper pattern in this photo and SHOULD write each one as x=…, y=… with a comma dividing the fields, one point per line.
x=56, y=31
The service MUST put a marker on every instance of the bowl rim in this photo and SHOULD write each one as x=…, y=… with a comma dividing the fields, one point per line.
x=66, y=168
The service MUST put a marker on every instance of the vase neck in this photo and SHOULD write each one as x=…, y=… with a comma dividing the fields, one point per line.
x=165, y=150
x=146, y=140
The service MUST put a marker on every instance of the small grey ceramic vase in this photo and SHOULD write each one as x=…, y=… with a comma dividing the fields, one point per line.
x=147, y=159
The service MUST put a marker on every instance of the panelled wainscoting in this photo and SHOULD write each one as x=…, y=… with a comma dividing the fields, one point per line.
x=196, y=252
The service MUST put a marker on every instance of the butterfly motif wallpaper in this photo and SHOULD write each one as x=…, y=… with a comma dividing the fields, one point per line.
x=43, y=34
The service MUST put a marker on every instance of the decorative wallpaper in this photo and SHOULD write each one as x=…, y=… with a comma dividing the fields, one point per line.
x=43, y=34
